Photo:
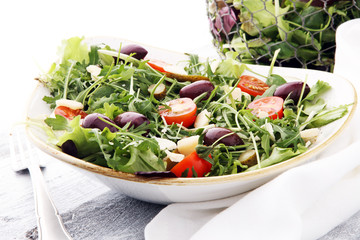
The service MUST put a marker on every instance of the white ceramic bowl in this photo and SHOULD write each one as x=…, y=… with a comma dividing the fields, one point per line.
x=170, y=190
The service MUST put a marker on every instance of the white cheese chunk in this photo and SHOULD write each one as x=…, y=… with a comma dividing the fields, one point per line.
x=93, y=70
x=214, y=64
x=262, y=114
x=268, y=127
x=202, y=119
x=310, y=135
x=69, y=103
x=187, y=145
x=166, y=144
x=236, y=95
x=174, y=157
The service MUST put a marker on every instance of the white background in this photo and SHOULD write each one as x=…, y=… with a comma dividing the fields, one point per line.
x=31, y=31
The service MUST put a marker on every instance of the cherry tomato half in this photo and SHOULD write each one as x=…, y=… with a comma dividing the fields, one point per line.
x=271, y=107
x=252, y=85
x=158, y=65
x=190, y=162
x=69, y=113
x=182, y=110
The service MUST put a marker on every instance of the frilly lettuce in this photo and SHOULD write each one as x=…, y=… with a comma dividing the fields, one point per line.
x=230, y=67
x=74, y=49
x=83, y=138
x=122, y=151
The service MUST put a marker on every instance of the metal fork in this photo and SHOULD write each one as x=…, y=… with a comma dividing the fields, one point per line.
x=50, y=225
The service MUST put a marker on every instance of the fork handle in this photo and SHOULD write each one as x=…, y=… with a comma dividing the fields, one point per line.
x=50, y=225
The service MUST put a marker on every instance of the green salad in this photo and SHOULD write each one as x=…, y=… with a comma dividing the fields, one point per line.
x=118, y=109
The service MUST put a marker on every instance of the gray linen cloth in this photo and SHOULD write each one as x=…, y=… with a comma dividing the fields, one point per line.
x=89, y=209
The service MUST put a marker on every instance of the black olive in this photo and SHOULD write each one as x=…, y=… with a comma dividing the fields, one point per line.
x=213, y=134
x=292, y=88
x=69, y=147
x=197, y=88
x=93, y=121
x=135, y=119
x=139, y=51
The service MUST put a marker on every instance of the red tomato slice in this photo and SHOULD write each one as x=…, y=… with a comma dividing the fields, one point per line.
x=192, y=161
x=183, y=111
x=69, y=113
x=252, y=85
x=271, y=107
x=158, y=65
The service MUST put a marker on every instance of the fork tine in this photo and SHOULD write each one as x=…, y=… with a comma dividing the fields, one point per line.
x=20, y=161
x=16, y=159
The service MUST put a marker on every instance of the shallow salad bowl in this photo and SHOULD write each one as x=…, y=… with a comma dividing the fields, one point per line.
x=169, y=190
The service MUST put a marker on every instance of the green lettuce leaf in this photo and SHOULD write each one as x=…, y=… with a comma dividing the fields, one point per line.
x=82, y=137
x=314, y=106
x=319, y=88
x=138, y=161
x=74, y=49
x=231, y=67
x=262, y=11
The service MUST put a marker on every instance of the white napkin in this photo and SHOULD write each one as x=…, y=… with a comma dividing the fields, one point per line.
x=305, y=202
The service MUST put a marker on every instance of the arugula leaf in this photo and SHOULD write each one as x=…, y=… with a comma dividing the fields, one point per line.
x=289, y=114
x=141, y=106
x=109, y=110
x=51, y=100
x=93, y=55
x=327, y=116
x=319, y=88
x=119, y=100
x=265, y=143
x=58, y=123
x=275, y=79
x=289, y=136
x=279, y=155
x=268, y=93
x=106, y=60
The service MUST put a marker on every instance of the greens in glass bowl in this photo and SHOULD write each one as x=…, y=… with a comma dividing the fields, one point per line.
x=303, y=30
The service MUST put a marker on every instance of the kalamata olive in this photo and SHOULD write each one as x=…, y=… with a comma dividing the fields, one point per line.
x=292, y=88
x=135, y=119
x=139, y=51
x=213, y=134
x=93, y=121
x=69, y=147
x=156, y=174
x=197, y=88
